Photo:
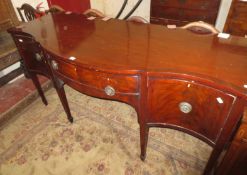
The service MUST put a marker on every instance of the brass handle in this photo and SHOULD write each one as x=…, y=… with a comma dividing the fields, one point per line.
x=110, y=91
x=54, y=65
x=38, y=57
x=185, y=107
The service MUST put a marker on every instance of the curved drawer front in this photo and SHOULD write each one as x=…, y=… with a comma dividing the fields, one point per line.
x=63, y=68
x=197, y=108
x=110, y=83
x=32, y=54
x=35, y=61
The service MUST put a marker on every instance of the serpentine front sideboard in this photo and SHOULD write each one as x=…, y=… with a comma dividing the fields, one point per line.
x=172, y=77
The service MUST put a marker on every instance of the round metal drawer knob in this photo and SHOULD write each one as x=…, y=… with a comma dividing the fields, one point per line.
x=110, y=91
x=54, y=65
x=185, y=107
x=38, y=57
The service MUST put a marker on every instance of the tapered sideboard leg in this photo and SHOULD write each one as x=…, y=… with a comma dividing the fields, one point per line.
x=144, y=131
x=59, y=86
x=38, y=87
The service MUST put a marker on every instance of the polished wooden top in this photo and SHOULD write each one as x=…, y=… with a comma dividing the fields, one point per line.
x=124, y=46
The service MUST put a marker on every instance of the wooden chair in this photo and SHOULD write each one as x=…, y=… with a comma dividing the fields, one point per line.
x=54, y=9
x=137, y=19
x=200, y=27
x=29, y=12
x=94, y=13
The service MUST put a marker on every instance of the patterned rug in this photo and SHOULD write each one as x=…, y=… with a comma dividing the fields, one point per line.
x=104, y=139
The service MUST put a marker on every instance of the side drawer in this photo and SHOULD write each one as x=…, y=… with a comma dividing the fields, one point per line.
x=65, y=69
x=101, y=80
x=35, y=61
x=32, y=54
x=196, y=108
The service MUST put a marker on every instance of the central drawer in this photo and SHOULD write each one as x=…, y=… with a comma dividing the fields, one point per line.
x=198, y=109
x=95, y=82
x=103, y=80
x=63, y=68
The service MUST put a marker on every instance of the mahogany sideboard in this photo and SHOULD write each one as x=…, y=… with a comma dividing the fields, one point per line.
x=181, y=12
x=172, y=78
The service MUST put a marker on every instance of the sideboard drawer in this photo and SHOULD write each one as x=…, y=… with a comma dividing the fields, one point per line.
x=65, y=69
x=194, y=107
x=32, y=54
x=101, y=80
x=35, y=61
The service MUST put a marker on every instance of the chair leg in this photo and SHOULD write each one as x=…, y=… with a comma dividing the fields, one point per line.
x=144, y=131
x=38, y=87
x=59, y=86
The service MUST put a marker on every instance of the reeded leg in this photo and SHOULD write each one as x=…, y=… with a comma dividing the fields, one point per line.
x=61, y=93
x=144, y=130
x=38, y=87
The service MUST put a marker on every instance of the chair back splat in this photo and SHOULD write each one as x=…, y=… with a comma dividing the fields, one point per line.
x=137, y=19
x=200, y=27
x=29, y=12
x=94, y=13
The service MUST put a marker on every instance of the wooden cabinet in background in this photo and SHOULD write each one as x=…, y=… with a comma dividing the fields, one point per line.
x=236, y=23
x=8, y=51
x=181, y=12
x=78, y=6
x=8, y=17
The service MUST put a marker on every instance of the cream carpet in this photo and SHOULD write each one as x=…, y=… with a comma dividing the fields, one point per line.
x=104, y=139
